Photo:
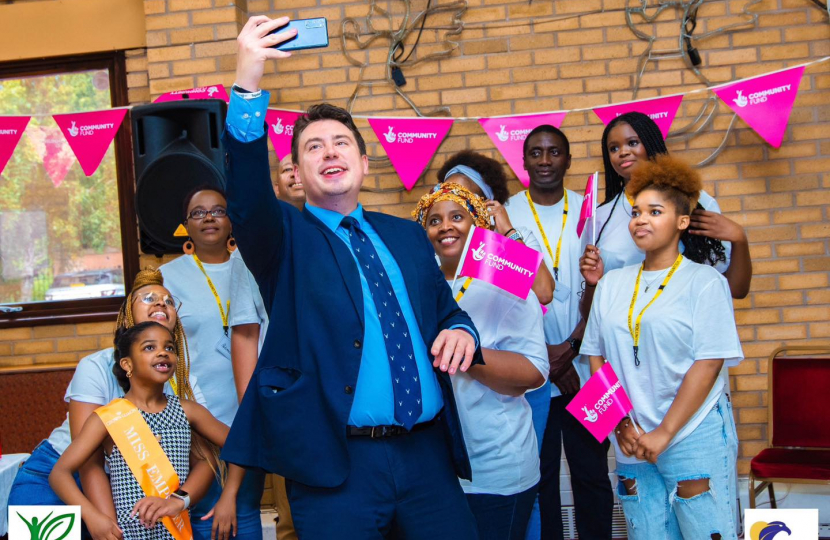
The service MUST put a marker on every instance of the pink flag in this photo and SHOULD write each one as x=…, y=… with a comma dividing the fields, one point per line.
x=589, y=206
x=662, y=110
x=496, y=259
x=410, y=143
x=89, y=134
x=205, y=92
x=764, y=102
x=281, y=130
x=11, y=129
x=508, y=133
x=53, y=151
x=601, y=403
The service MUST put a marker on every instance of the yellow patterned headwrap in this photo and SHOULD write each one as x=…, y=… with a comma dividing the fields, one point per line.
x=449, y=191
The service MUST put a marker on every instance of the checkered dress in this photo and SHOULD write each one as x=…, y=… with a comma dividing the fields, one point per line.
x=173, y=430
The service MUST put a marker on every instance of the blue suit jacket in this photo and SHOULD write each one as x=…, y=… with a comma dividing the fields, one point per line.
x=292, y=420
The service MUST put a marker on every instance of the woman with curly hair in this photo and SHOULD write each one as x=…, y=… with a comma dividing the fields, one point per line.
x=629, y=141
x=495, y=416
x=667, y=327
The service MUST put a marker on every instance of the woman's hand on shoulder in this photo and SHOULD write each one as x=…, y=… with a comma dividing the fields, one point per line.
x=717, y=226
x=591, y=265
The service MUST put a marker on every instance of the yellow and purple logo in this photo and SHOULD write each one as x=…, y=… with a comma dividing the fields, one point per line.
x=762, y=530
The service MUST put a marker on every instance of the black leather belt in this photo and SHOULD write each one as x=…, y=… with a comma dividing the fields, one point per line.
x=382, y=432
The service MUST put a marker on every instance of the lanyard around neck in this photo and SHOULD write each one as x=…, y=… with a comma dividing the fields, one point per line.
x=464, y=288
x=635, y=330
x=222, y=310
x=553, y=257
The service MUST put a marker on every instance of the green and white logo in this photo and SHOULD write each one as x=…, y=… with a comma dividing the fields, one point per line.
x=44, y=522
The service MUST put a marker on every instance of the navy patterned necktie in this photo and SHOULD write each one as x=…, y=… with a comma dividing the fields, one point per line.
x=405, y=380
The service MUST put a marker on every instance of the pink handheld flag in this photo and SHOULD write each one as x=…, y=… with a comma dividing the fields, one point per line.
x=601, y=403
x=496, y=259
x=589, y=207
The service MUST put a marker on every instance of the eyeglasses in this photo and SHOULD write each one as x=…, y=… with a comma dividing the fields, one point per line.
x=153, y=298
x=218, y=212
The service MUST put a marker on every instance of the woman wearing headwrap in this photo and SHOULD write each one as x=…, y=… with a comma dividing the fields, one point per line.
x=495, y=416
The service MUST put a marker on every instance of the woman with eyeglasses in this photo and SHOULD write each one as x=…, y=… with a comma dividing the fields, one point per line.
x=201, y=279
x=94, y=385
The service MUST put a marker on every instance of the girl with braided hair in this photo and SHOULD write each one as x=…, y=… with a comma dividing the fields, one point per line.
x=667, y=327
x=629, y=141
x=495, y=416
x=93, y=384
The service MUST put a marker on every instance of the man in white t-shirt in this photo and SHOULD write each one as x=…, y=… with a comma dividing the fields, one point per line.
x=551, y=213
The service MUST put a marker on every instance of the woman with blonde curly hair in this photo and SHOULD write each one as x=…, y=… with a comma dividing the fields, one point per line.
x=667, y=327
x=495, y=416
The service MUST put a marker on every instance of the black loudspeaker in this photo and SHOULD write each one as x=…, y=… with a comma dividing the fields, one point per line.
x=176, y=147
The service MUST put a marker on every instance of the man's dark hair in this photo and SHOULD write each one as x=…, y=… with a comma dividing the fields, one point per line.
x=547, y=128
x=650, y=136
x=324, y=111
x=194, y=191
x=490, y=170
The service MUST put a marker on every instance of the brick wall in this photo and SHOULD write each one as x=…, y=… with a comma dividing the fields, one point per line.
x=521, y=57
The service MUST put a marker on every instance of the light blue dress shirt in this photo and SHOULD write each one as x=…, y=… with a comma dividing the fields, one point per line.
x=374, y=396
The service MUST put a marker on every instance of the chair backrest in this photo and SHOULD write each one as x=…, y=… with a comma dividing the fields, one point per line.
x=799, y=383
x=31, y=404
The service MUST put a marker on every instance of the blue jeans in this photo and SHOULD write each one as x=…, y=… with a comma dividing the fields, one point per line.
x=502, y=517
x=656, y=512
x=249, y=525
x=539, y=401
x=31, y=485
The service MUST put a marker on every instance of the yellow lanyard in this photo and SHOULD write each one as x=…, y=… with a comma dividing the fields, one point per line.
x=545, y=237
x=215, y=295
x=464, y=288
x=635, y=330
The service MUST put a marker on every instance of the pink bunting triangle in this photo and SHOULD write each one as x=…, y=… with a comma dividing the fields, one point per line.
x=410, y=143
x=281, y=130
x=11, y=129
x=205, y=92
x=764, y=102
x=508, y=133
x=89, y=134
x=662, y=110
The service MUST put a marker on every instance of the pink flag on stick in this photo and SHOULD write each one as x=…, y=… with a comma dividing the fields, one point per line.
x=89, y=134
x=410, y=143
x=764, y=102
x=204, y=92
x=589, y=208
x=601, y=403
x=662, y=110
x=508, y=133
x=11, y=129
x=496, y=259
x=281, y=130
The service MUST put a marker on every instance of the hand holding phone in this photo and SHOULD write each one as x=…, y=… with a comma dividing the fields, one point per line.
x=311, y=34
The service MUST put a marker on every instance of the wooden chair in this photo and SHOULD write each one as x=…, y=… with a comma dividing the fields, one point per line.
x=798, y=422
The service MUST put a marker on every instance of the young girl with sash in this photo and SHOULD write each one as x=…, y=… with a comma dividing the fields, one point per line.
x=667, y=327
x=146, y=440
x=495, y=416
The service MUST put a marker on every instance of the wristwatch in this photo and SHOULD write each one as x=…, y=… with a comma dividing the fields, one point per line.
x=182, y=495
x=575, y=344
x=517, y=236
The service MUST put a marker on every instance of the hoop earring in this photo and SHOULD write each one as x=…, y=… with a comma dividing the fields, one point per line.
x=130, y=374
x=188, y=247
x=231, y=244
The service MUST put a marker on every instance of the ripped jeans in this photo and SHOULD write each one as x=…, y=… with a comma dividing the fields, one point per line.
x=654, y=510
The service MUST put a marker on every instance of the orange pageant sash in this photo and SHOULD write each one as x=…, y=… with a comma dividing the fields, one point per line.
x=145, y=457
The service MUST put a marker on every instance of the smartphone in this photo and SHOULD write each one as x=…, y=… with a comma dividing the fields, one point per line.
x=311, y=34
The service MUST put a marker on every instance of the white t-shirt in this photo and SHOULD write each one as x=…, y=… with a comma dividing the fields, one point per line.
x=247, y=306
x=691, y=320
x=616, y=246
x=210, y=358
x=563, y=312
x=498, y=429
x=93, y=382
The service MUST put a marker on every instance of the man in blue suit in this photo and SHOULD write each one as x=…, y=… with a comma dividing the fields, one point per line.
x=351, y=399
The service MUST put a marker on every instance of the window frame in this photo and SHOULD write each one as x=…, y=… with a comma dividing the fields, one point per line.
x=90, y=309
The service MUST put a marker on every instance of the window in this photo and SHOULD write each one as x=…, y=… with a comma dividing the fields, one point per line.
x=67, y=241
